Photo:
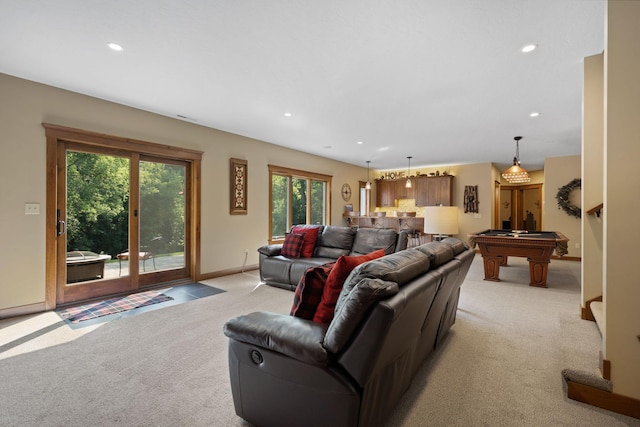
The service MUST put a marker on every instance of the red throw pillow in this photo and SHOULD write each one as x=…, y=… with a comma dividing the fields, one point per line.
x=333, y=287
x=310, y=236
x=292, y=245
x=309, y=291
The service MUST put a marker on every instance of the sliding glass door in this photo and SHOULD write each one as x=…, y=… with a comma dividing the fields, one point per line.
x=162, y=216
x=123, y=220
x=94, y=215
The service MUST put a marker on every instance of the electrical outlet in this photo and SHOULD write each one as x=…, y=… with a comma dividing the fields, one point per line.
x=577, y=245
x=32, y=208
x=477, y=215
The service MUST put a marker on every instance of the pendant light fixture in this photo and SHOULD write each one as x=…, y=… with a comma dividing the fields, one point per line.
x=516, y=174
x=367, y=186
x=408, y=183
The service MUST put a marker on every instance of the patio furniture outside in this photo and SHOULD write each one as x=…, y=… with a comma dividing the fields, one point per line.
x=85, y=265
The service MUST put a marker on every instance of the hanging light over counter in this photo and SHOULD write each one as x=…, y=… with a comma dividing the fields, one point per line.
x=367, y=186
x=408, y=183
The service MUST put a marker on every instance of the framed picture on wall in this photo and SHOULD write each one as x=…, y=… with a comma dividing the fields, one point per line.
x=238, y=191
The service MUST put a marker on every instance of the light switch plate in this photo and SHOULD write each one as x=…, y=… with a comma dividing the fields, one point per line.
x=32, y=208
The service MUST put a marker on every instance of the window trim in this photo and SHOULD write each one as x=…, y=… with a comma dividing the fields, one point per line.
x=362, y=185
x=301, y=174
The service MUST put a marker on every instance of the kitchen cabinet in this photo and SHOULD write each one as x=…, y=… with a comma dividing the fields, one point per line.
x=385, y=191
x=390, y=190
x=426, y=190
x=434, y=190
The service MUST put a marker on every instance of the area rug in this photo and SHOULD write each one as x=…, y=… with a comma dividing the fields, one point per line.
x=112, y=305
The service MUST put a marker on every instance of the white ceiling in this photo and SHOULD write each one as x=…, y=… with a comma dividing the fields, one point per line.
x=443, y=81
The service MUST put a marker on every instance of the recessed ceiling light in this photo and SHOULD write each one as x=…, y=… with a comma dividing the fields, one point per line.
x=534, y=114
x=328, y=147
x=287, y=114
x=115, y=46
x=360, y=142
x=529, y=48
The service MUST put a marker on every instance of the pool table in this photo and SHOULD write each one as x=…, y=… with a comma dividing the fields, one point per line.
x=537, y=246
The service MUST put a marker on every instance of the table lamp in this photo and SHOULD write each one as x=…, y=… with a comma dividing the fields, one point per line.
x=440, y=221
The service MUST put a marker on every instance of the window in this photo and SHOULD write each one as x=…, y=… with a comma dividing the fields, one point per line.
x=296, y=197
x=365, y=198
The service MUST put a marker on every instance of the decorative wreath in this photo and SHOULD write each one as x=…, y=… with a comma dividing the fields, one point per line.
x=563, y=198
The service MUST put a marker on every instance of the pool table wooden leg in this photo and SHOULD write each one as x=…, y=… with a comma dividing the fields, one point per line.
x=538, y=273
x=492, y=267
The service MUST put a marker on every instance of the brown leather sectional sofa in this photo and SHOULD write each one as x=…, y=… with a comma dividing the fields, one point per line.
x=391, y=314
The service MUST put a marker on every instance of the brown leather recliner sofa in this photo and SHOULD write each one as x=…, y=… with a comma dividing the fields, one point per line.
x=391, y=314
x=332, y=241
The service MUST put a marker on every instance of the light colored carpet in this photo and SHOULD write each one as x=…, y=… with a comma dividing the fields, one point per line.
x=500, y=365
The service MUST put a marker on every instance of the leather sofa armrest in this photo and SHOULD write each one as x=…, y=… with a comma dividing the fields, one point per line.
x=270, y=250
x=292, y=336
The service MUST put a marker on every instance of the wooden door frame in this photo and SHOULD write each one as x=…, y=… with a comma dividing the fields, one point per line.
x=516, y=202
x=497, y=224
x=55, y=135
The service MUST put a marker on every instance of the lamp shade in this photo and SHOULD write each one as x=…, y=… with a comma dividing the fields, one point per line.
x=516, y=174
x=441, y=220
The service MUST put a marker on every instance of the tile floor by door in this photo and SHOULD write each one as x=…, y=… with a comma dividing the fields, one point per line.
x=180, y=294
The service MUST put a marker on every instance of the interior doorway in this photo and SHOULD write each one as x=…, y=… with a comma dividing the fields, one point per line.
x=520, y=207
x=121, y=215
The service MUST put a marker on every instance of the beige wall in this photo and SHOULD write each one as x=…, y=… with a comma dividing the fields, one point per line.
x=592, y=161
x=476, y=174
x=558, y=172
x=25, y=105
x=622, y=204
